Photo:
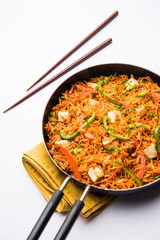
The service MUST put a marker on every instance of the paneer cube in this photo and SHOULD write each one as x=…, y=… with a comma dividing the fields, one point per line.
x=133, y=82
x=93, y=85
x=151, y=152
x=141, y=111
x=92, y=102
x=63, y=143
x=113, y=114
x=107, y=141
x=113, y=144
x=106, y=160
x=62, y=116
x=95, y=173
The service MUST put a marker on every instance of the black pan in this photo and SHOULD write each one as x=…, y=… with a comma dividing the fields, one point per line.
x=86, y=74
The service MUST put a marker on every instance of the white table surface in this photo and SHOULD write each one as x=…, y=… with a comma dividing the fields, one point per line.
x=34, y=34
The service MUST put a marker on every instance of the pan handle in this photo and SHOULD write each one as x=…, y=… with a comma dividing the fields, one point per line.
x=48, y=212
x=71, y=217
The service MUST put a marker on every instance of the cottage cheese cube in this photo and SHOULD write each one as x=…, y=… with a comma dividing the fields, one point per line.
x=113, y=144
x=141, y=111
x=63, y=143
x=105, y=161
x=93, y=102
x=95, y=173
x=133, y=82
x=99, y=172
x=151, y=151
x=93, y=85
x=110, y=144
x=92, y=174
x=108, y=141
x=62, y=116
x=105, y=143
x=112, y=115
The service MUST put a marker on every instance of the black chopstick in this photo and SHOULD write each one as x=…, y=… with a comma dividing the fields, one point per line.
x=89, y=36
x=67, y=69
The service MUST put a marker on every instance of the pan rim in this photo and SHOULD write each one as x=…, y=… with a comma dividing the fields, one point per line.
x=92, y=187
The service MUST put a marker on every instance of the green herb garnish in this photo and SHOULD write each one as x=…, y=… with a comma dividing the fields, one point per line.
x=56, y=116
x=157, y=177
x=150, y=114
x=53, y=123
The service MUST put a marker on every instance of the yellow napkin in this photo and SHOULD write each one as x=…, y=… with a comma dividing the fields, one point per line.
x=48, y=177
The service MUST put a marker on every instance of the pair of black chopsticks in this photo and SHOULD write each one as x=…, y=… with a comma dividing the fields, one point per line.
x=74, y=64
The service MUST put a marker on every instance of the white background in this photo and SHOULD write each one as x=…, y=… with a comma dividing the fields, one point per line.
x=34, y=34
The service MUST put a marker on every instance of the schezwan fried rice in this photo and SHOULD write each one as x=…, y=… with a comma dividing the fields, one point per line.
x=106, y=132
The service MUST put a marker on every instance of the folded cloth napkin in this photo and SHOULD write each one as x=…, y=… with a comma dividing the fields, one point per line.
x=48, y=177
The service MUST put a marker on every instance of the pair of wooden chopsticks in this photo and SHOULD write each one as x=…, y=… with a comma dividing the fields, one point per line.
x=74, y=64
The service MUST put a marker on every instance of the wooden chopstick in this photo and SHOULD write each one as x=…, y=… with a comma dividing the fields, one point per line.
x=67, y=69
x=95, y=31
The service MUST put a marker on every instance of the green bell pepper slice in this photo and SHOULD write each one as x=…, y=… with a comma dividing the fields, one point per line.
x=73, y=135
x=156, y=136
x=116, y=164
x=142, y=94
x=110, y=132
